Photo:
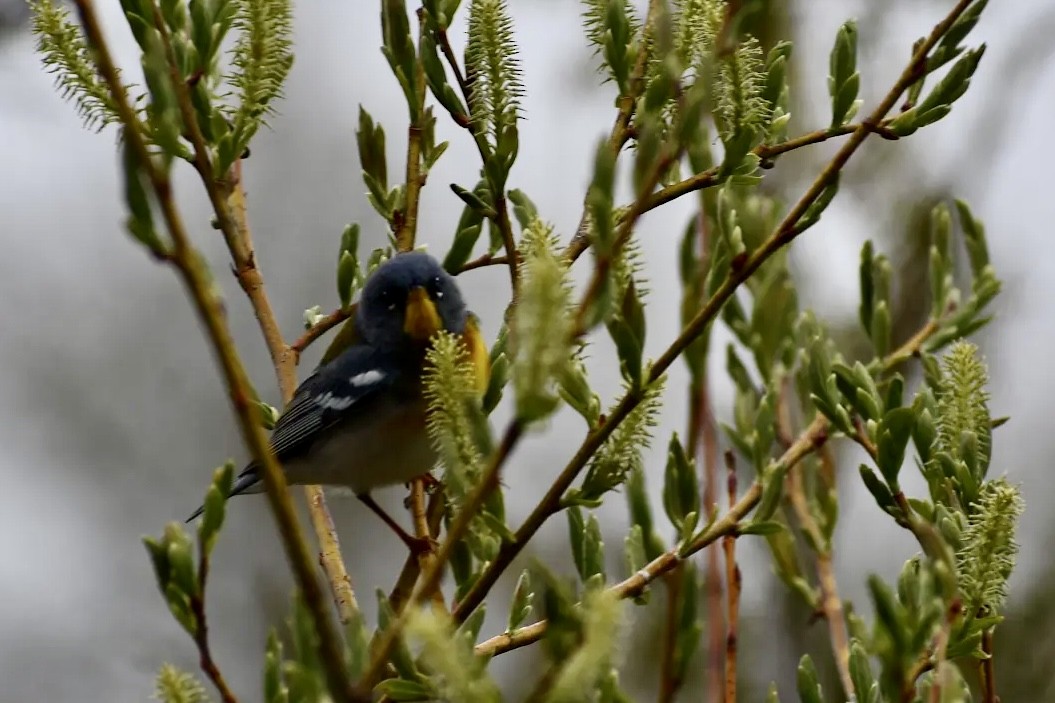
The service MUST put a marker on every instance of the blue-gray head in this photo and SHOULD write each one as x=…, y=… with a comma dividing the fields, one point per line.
x=409, y=297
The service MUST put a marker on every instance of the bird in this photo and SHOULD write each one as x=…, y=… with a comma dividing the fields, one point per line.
x=359, y=420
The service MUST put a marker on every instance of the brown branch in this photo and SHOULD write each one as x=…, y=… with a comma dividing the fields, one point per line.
x=229, y=203
x=988, y=671
x=485, y=260
x=420, y=518
x=831, y=605
x=321, y=327
x=201, y=631
x=941, y=643
x=330, y=556
x=188, y=264
x=733, y=585
x=669, y=681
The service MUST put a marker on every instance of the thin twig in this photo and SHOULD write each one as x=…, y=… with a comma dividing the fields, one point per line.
x=988, y=671
x=408, y=576
x=831, y=604
x=430, y=580
x=669, y=681
x=941, y=643
x=189, y=265
x=621, y=130
x=330, y=557
x=321, y=327
x=420, y=518
x=483, y=261
x=201, y=631
x=733, y=584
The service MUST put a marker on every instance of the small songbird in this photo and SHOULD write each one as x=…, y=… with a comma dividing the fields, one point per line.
x=359, y=420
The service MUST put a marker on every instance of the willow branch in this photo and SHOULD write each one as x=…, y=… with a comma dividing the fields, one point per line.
x=229, y=203
x=831, y=604
x=988, y=671
x=201, y=631
x=733, y=583
x=669, y=681
x=189, y=264
x=321, y=327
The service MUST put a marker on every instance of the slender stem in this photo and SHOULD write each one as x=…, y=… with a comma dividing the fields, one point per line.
x=483, y=261
x=941, y=643
x=831, y=605
x=733, y=583
x=408, y=576
x=330, y=557
x=190, y=266
x=201, y=632
x=988, y=670
x=430, y=580
x=320, y=328
x=420, y=518
x=669, y=681
x=709, y=178
x=620, y=132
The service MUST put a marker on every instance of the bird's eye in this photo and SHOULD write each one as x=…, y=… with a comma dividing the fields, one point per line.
x=388, y=299
x=436, y=286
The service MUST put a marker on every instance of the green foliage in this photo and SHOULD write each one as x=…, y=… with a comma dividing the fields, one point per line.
x=64, y=52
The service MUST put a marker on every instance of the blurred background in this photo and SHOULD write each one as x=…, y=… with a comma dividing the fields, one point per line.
x=112, y=416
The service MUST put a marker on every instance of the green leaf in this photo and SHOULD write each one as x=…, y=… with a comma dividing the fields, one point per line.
x=349, y=276
x=892, y=437
x=681, y=498
x=884, y=498
x=641, y=512
x=520, y=610
x=813, y=213
x=401, y=658
x=398, y=48
x=861, y=674
x=809, y=687
x=215, y=503
x=843, y=79
x=761, y=527
x=866, y=275
x=405, y=690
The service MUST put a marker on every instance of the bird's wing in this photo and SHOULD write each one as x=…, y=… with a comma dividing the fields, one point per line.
x=335, y=392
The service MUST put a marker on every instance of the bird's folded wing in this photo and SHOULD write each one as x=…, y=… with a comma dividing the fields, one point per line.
x=335, y=392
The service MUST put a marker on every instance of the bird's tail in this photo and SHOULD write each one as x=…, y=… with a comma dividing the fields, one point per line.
x=245, y=483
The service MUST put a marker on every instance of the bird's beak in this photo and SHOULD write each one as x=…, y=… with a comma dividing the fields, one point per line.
x=421, y=320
